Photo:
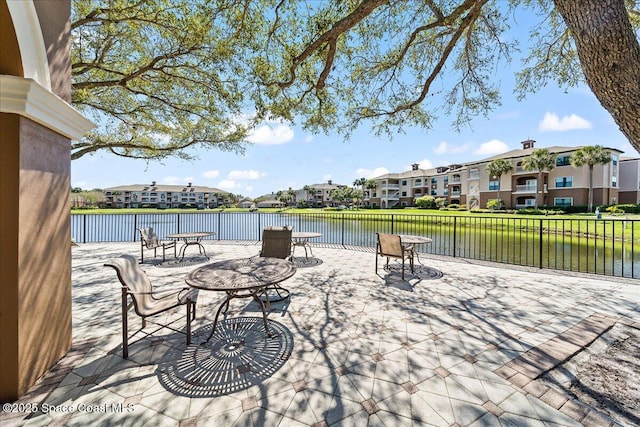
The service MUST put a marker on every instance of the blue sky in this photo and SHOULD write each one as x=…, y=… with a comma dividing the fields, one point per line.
x=282, y=156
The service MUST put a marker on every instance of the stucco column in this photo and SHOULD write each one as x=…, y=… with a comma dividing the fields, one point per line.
x=36, y=124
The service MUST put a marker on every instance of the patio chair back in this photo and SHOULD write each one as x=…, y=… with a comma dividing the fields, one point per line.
x=390, y=245
x=276, y=242
x=136, y=282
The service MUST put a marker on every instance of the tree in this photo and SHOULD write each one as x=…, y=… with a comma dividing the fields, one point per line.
x=590, y=155
x=361, y=182
x=496, y=168
x=540, y=160
x=370, y=185
x=164, y=76
x=157, y=76
x=395, y=63
x=426, y=202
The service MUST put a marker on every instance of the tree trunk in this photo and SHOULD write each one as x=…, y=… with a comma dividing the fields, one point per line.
x=609, y=53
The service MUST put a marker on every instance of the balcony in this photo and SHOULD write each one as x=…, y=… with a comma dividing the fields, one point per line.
x=527, y=188
x=390, y=186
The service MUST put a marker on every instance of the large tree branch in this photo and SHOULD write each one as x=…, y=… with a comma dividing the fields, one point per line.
x=609, y=53
x=339, y=28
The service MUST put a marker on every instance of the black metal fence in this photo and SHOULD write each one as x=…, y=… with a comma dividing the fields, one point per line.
x=600, y=246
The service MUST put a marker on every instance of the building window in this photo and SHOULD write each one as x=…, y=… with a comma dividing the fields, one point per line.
x=474, y=173
x=614, y=181
x=404, y=194
x=614, y=159
x=563, y=201
x=434, y=192
x=494, y=185
x=434, y=180
x=404, y=182
x=418, y=182
x=563, y=160
x=564, y=181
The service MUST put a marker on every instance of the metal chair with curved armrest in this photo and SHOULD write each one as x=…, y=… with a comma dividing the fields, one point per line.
x=146, y=301
x=149, y=240
x=390, y=246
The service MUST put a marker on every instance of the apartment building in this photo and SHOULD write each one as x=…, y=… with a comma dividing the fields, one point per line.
x=629, y=180
x=470, y=184
x=320, y=196
x=164, y=196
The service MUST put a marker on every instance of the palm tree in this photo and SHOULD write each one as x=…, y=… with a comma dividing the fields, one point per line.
x=292, y=196
x=360, y=182
x=307, y=190
x=496, y=168
x=370, y=185
x=540, y=160
x=590, y=155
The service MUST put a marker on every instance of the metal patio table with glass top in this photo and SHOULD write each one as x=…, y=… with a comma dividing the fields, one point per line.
x=190, y=239
x=412, y=239
x=241, y=278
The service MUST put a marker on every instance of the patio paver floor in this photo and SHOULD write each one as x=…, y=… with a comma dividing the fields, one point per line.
x=354, y=348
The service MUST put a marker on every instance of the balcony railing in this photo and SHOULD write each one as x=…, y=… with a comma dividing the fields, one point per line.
x=390, y=186
x=526, y=188
x=599, y=246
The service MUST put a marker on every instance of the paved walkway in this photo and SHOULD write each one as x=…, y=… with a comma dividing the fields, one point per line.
x=456, y=344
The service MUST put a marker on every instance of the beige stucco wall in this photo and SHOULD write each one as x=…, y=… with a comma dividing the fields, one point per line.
x=35, y=258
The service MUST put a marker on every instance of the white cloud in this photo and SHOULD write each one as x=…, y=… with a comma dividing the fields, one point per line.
x=445, y=148
x=552, y=123
x=369, y=174
x=441, y=148
x=495, y=146
x=227, y=184
x=308, y=138
x=211, y=174
x=271, y=134
x=425, y=164
x=327, y=177
x=245, y=174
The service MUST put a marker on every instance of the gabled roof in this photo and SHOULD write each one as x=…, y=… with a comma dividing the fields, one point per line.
x=166, y=188
x=513, y=154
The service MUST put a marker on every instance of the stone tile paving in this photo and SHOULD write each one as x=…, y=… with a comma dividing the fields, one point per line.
x=442, y=348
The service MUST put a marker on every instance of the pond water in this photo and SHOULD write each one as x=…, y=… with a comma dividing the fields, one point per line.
x=584, y=245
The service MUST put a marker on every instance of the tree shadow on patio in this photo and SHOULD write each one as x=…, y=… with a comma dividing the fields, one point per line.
x=238, y=356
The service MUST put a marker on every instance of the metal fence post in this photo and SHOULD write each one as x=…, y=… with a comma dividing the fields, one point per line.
x=84, y=228
x=392, y=223
x=342, y=238
x=219, y=228
x=135, y=226
x=540, y=247
x=455, y=234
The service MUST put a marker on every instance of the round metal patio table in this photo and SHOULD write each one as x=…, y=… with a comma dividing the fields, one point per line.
x=190, y=239
x=301, y=238
x=241, y=278
x=412, y=239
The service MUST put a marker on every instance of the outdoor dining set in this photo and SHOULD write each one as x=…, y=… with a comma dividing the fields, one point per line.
x=258, y=277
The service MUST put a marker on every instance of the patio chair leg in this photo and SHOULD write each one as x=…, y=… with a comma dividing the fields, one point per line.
x=125, y=329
